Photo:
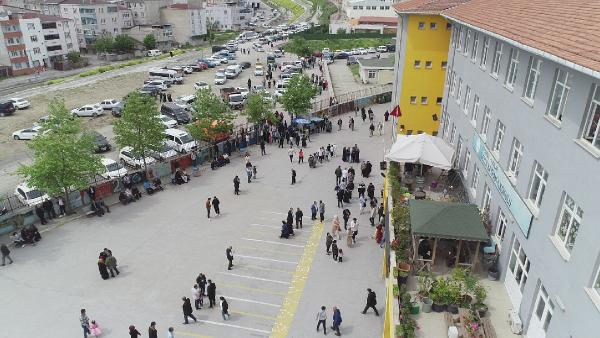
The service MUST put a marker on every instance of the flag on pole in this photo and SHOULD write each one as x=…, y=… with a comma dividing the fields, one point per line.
x=396, y=112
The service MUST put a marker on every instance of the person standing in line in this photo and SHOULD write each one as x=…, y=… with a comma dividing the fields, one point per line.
x=40, y=214
x=262, y=148
x=196, y=295
x=373, y=213
x=211, y=291
x=321, y=319
x=187, y=310
x=152, y=332
x=346, y=216
x=5, y=254
x=111, y=264
x=216, y=203
x=381, y=212
x=208, y=206
x=224, y=308
x=328, y=242
x=340, y=255
x=133, y=332
x=371, y=302
x=170, y=333
x=321, y=211
x=201, y=281
x=85, y=323
x=340, y=198
x=293, y=176
x=236, y=185
x=313, y=211
x=291, y=153
x=338, y=175
x=363, y=204
x=229, y=255
x=299, y=215
x=337, y=321
x=335, y=227
x=334, y=250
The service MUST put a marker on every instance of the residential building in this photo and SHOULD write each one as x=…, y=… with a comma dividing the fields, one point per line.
x=188, y=22
x=163, y=34
x=357, y=8
x=365, y=24
x=376, y=71
x=47, y=7
x=146, y=12
x=422, y=41
x=225, y=17
x=528, y=136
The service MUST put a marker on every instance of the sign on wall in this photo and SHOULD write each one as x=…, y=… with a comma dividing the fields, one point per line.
x=510, y=196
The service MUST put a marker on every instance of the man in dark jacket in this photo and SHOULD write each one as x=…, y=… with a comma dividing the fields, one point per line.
x=229, y=254
x=338, y=175
x=49, y=208
x=40, y=214
x=211, y=291
x=187, y=310
x=313, y=211
x=340, y=198
x=337, y=321
x=328, y=242
x=224, y=308
x=236, y=185
x=299, y=215
x=5, y=254
x=346, y=216
x=152, y=332
x=216, y=203
x=371, y=302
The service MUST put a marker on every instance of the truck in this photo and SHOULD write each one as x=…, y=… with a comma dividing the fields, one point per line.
x=233, y=97
x=166, y=74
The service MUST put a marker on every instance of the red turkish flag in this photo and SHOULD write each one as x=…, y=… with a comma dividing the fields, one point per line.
x=396, y=112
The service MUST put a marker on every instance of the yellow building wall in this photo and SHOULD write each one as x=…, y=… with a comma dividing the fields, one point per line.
x=424, y=45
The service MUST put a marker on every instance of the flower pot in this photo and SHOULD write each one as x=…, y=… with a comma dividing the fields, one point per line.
x=481, y=309
x=403, y=267
x=402, y=277
x=414, y=309
x=438, y=307
x=452, y=308
x=427, y=302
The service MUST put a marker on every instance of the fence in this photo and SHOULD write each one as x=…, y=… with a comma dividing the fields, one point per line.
x=352, y=100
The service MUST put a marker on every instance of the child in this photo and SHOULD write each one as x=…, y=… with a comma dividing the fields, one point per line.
x=95, y=329
x=340, y=255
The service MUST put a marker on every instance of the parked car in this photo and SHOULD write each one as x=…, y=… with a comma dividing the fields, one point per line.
x=27, y=133
x=167, y=121
x=259, y=70
x=382, y=49
x=187, y=70
x=371, y=50
x=117, y=110
x=126, y=157
x=165, y=153
x=201, y=85
x=100, y=142
x=160, y=84
x=244, y=91
x=92, y=110
x=362, y=51
x=176, y=112
x=351, y=60
x=237, y=101
x=112, y=168
x=109, y=104
x=278, y=53
x=220, y=78
x=19, y=103
x=391, y=47
x=153, y=52
x=195, y=68
x=180, y=140
x=7, y=108
x=342, y=55
x=245, y=65
x=30, y=195
x=149, y=90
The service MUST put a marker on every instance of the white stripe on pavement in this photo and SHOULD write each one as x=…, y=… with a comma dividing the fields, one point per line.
x=234, y=326
x=255, y=278
x=266, y=259
x=251, y=301
x=272, y=242
x=271, y=226
x=275, y=213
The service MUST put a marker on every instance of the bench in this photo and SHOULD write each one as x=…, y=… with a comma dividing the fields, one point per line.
x=488, y=328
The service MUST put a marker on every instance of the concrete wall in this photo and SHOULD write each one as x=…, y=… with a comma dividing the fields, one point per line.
x=382, y=76
x=572, y=169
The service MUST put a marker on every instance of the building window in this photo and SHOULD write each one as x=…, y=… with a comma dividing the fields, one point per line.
x=428, y=64
x=475, y=179
x=466, y=42
x=484, y=52
x=452, y=134
x=459, y=151
x=453, y=83
x=421, y=25
x=30, y=26
x=485, y=125
x=516, y=154
x=519, y=264
x=533, y=76
x=413, y=100
x=560, y=92
x=36, y=50
x=568, y=223
x=466, y=100
x=466, y=164
x=417, y=63
x=497, y=58
x=438, y=100
x=34, y=38
x=513, y=67
x=538, y=185
x=475, y=46
x=381, y=7
x=592, y=126
x=498, y=137
x=444, y=64
x=432, y=25
x=423, y=99
x=372, y=74
x=459, y=39
x=501, y=224
x=368, y=8
x=475, y=111
x=448, y=26
x=459, y=90
x=486, y=202
x=446, y=124
x=544, y=309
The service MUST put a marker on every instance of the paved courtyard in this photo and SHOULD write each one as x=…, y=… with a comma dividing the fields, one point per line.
x=163, y=241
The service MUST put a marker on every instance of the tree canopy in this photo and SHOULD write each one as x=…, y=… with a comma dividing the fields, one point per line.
x=149, y=41
x=123, y=43
x=212, y=117
x=259, y=108
x=299, y=93
x=104, y=44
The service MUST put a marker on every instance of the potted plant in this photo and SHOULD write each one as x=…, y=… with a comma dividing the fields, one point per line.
x=402, y=277
x=403, y=267
x=399, y=331
x=480, y=296
x=424, y=284
x=438, y=295
x=396, y=291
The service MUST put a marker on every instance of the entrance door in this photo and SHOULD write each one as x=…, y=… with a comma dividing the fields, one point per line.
x=541, y=316
x=516, y=274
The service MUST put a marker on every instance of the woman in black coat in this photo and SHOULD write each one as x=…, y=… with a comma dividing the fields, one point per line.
x=102, y=268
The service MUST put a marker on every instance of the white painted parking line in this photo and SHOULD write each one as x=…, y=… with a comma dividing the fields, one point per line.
x=255, y=278
x=272, y=226
x=266, y=259
x=251, y=301
x=234, y=326
x=274, y=213
x=272, y=242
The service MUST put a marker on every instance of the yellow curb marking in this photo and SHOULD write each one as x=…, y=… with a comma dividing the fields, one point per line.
x=190, y=334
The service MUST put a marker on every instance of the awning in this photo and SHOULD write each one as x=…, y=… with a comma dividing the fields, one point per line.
x=456, y=221
x=423, y=149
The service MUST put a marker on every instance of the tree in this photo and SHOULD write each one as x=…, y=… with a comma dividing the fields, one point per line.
x=299, y=93
x=123, y=43
x=149, y=41
x=259, y=108
x=212, y=117
x=104, y=44
x=211, y=28
x=74, y=57
x=139, y=126
x=299, y=46
x=63, y=158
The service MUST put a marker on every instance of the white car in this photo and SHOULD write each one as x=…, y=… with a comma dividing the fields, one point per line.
x=201, y=85
x=165, y=153
x=362, y=51
x=187, y=70
x=326, y=50
x=382, y=49
x=109, y=104
x=29, y=195
x=112, y=168
x=27, y=133
x=160, y=84
x=259, y=71
x=260, y=49
x=167, y=121
x=244, y=91
x=92, y=110
x=220, y=78
x=20, y=103
x=371, y=50
x=280, y=92
x=127, y=157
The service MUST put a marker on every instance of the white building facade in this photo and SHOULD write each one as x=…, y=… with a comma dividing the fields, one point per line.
x=354, y=9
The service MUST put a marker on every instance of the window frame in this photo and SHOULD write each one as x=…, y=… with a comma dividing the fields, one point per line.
x=513, y=69
x=475, y=46
x=424, y=100
x=497, y=59
x=466, y=100
x=498, y=138
x=533, y=74
x=475, y=179
x=515, y=256
x=501, y=225
x=539, y=192
x=564, y=95
x=466, y=163
x=484, y=52
x=432, y=25
x=417, y=64
x=485, y=124
x=486, y=201
x=593, y=113
x=371, y=74
x=475, y=110
x=514, y=163
x=574, y=216
x=459, y=91
x=413, y=100
x=466, y=42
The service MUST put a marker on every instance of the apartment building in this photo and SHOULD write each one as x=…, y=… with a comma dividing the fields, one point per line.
x=146, y=12
x=522, y=109
x=354, y=9
x=187, y=22
x=163, y=34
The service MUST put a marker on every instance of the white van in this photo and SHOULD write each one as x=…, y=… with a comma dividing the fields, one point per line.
x=180, y=140
x=112, y=168
x=153, y=52
x=231, y=72
x=166, y=73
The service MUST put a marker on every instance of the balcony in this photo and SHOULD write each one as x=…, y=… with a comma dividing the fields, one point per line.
x=13, y=48
x=50, y=31
x=8, y=35
x=19, y=59
x=53, y=42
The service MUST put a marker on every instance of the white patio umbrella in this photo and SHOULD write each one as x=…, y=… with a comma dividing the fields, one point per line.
x=423, y=149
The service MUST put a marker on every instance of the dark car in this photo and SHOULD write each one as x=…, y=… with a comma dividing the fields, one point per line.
x=149, y=90
x=117, y=110
x=391, y=47
x=6, y=108
x=245, y=65
x=351, y=60
x=195, y=68
x=100, y=142
x=218, y=48
x=342, y=56
x=175, y=112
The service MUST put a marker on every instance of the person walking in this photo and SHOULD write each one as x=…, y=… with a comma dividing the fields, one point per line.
x=224, y=308
x=293, y=176
x=208, y=206
x=211, y=292
x=196, y=295
x=236, y=185
x=328, y=242
x=229, y=254
x=371, y=129
x=346, y=216
x=338, y=175
x=216, y=203
x=187, y=310
x=5, y=254
x=262, y=148
x=152, y=331
x=85, y=323
x=111, y=264
x=381, y=212
x=335, y=227
x=321, y=211
x=133, y=332
x=354, y=229
x=313, y=211
x=299, y=215
x=340, y=198
x=334, y=250
x=249, y=84
x=291, y=153
x=337, y=321
x=321, y=319
x=371, y=302
x=170, y=333
x=380, y=128
x=62, y=210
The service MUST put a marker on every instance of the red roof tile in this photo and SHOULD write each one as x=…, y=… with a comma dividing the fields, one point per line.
x=183, y=6
x=426, y=6
x=378, y=19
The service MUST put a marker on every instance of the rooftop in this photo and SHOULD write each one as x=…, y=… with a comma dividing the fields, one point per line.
x=377, y=19
x=426, y=6
x=377, y=63
x=183, y=6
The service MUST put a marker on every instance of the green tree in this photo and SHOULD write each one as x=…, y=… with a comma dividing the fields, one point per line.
x=298, y=95
x=212, y=117
x=123, y=43
x=259, y=108
x=63, y=158
x=149, y=41
x=211, y=28
x=139, y=126
x=104, y=44
x=299, y=46
x=74, y=57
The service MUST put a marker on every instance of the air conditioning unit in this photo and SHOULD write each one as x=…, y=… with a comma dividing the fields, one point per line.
x=516, y=326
